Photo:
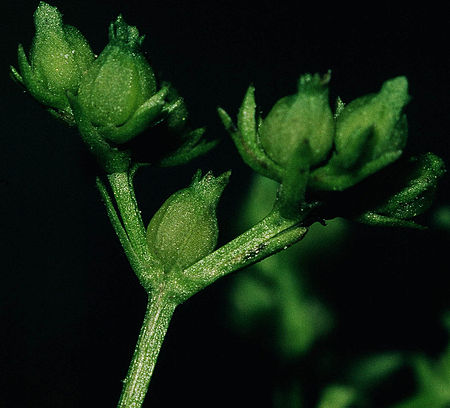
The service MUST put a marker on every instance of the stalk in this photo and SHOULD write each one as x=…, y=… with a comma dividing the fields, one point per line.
x=154, y=328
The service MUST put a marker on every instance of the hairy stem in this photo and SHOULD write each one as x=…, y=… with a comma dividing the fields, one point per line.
x=149, y=272
x=166, y=291
x=157, y=318
x=135, y=263
x=131, y=217
x=271, y=235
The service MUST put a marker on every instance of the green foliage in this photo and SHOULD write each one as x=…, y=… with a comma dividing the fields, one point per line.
x=337, y=396
x=368, y=372
x=273, y=302
x=411, y=193
x=432, y=379
x=442, y=217
x=273, y=297
x=323, y=165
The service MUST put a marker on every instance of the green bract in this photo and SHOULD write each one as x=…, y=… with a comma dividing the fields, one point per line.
x=305, y=117
x=410, y=194
x=371, y=133
x=184, y=230
x=59, y=57
x=118, y=93
x=379, y=116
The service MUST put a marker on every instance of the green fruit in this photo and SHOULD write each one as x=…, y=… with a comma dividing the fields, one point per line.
x=184, y=230
x=59, y=58
x=305, y=117
x=114, y=92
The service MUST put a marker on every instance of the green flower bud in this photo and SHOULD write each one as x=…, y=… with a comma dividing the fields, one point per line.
x=371, y=133
x=184, y=230
x=373, y=125
x=115, y=94
x=303, y=117
x=59, y=57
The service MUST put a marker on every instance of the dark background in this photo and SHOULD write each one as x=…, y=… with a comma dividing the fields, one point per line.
x=70, y=307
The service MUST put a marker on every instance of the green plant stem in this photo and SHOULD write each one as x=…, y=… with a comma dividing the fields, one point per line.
x=160, y=309
x=131, y=217
x=134, y=260
x=166, y=291
x=271, y=235
x=150, y=271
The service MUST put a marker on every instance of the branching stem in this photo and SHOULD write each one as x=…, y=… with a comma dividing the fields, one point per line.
x=168, y=289
x=122, y=188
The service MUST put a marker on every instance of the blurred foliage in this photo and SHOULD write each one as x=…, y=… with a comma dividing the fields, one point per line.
x=337, y=397
x=432, y=378
x=273, y=302
x=441, y=218
x=273, y=295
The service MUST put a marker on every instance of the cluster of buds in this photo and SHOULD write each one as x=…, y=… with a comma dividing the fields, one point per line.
x=301, y=143
x=59, y=58
x=308, y=148
x=339, y=149
x=112, y=98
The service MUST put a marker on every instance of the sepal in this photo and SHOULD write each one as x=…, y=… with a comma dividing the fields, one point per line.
x=110, y=158
x=371, y=133
x=409, y=193
x=246, y=137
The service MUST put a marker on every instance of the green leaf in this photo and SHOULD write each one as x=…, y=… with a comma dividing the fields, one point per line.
x=337, y=396
x=415, y=191
x=369, y=371
x=410, y=192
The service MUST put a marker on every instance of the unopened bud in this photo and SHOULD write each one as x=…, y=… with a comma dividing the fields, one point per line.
x=59, y=57
x=303, y=117
x=373, y=125
x=371, y=132
x=115, y=92
x=184, y=230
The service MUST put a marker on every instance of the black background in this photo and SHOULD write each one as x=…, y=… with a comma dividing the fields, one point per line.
x=70, y=308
